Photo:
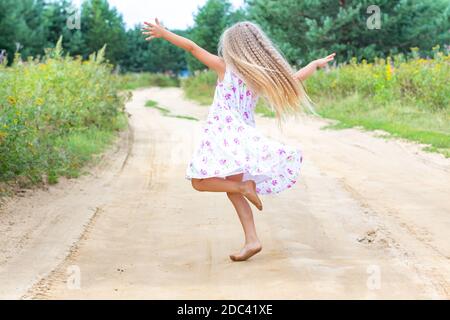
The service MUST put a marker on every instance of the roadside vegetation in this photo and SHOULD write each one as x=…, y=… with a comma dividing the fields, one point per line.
x=56, y=114
x=406, y=97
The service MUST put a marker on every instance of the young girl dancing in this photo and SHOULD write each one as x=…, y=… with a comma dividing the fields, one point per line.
x=233, y=156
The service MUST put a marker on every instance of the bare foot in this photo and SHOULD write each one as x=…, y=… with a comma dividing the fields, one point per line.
x=249, y=191
x=247, y=252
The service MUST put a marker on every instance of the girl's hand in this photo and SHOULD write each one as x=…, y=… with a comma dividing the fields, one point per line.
x=309, y=70
x=156, y=30
x=153, y=30
x=321, y=63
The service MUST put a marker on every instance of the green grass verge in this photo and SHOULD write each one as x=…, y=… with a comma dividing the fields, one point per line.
x=81, y=148
x=183, y=117
x=166, y=112
x=151, y=103
x=406, y=122
x=264, y=110
x=133, y=81
x=200, y=88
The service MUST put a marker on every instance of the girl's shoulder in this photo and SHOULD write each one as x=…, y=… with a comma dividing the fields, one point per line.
x=233, y=79
x=233, y=75
x=228, y=75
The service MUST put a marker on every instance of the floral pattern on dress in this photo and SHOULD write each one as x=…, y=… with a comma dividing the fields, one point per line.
x=231, y=143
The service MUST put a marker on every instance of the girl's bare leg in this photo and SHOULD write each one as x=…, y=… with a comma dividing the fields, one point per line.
x=252, y=244
x=246, y=189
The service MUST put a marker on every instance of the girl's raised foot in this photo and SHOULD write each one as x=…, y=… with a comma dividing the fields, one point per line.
x=247, y=252
x=249, y=191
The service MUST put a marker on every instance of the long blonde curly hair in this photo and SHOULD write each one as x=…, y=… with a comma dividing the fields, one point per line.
x=252, y=54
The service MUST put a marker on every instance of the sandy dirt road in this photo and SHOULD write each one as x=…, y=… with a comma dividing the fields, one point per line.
x=370, y=218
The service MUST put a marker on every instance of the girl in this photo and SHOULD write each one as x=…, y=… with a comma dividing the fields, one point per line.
x=233, y=156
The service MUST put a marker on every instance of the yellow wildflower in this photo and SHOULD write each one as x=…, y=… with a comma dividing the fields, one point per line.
x=39, y=101
x=388, y=71
x=12, y=100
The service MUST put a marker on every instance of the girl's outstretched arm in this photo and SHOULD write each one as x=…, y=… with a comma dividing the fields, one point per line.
x=307, y=71
x=156, y=30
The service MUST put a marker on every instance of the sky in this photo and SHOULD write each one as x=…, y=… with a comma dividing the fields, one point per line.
x=175, y=14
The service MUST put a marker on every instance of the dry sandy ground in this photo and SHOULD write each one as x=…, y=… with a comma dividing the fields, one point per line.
x=370, y=218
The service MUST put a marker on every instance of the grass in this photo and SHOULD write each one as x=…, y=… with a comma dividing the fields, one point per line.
x=264, y=110
x=151, y=103
x=133, y=81
x=80, y=147
x=154, y=105
x=166, y=112
x=183, y=117
x=83, y=147
x=407, y=122
x=201, y=87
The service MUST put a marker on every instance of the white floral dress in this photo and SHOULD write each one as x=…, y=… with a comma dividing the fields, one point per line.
x=232, y=145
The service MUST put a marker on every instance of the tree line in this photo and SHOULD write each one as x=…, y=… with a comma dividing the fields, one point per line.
x=302, y=29
x=29, y=27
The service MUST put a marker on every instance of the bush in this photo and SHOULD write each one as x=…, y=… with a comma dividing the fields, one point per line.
x=422, y=82
x=407, y=98
x=54, y=114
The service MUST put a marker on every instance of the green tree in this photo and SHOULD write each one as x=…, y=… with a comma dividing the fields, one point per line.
x=22, y=27
x=35, y=36
x=154, y=56
x=55, y=18
x=100, y=25
x=210, y=22
x=310, y=28
x=165, y=57
x=137, y=55
x=10, y=24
